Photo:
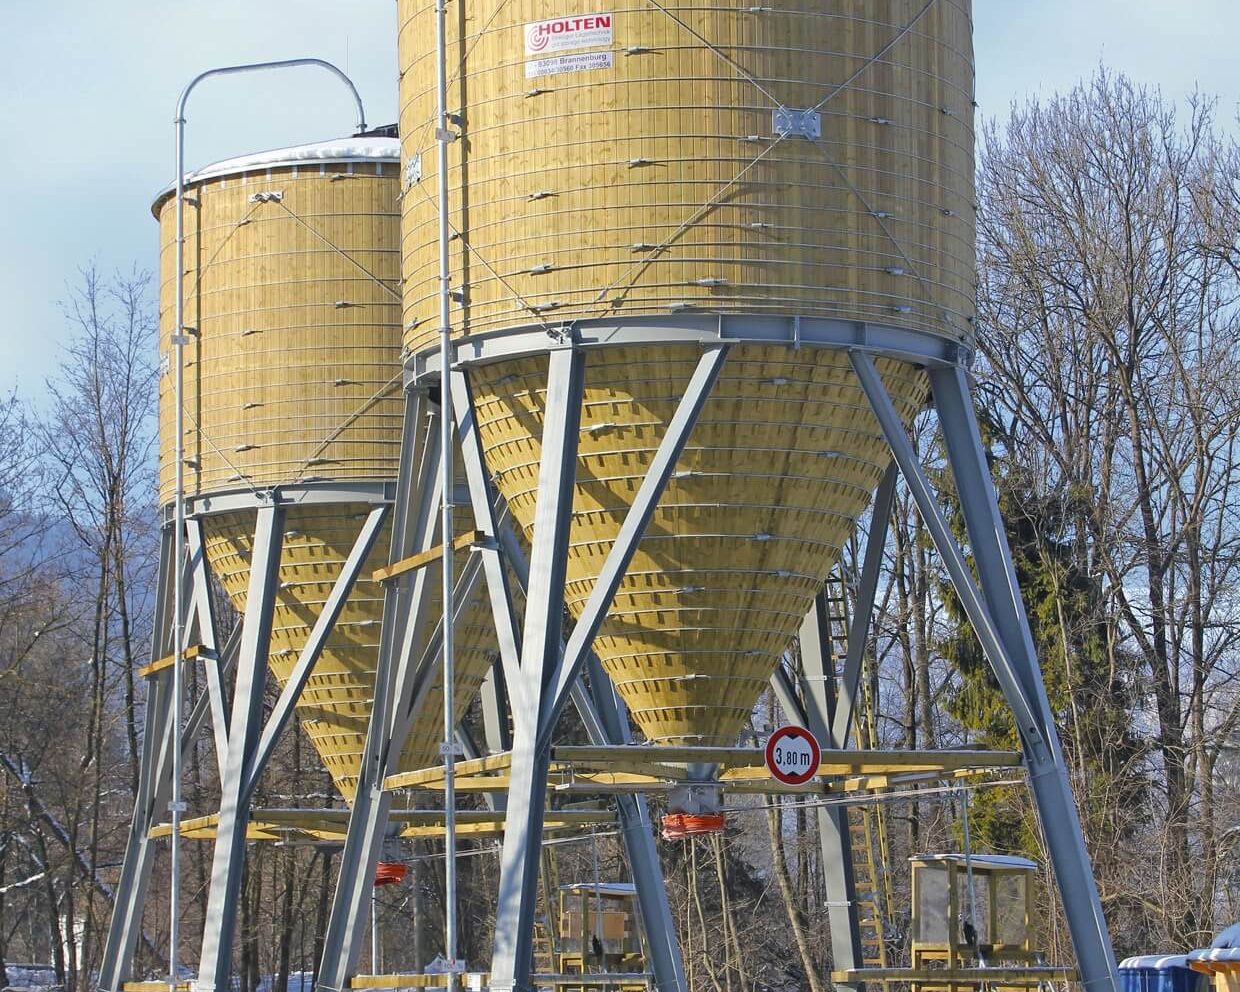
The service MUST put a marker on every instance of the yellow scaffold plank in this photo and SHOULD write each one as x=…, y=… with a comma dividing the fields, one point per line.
x=331, y=824
x=189, y=654
x=469, y=980
x=957, y=976
x=423, y=558
x=428, y=777
x=153, y=987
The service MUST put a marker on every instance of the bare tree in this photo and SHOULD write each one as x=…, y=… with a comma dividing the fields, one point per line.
x=1109, y=327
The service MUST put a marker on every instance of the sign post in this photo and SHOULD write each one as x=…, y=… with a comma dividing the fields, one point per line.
x=792, y=755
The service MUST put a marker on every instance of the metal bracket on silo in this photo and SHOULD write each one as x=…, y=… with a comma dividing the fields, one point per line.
x=788, y=122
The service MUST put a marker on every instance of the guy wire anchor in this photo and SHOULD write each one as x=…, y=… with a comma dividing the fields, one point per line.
x=788, y=122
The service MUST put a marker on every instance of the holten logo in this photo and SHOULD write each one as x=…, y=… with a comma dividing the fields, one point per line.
x=564, y=33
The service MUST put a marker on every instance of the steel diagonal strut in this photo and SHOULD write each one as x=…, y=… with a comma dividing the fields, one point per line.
x=997, y=614
x=867, y=589
x=244, y=725
x=414, y=528
x=1047, y=770
x=482, y=499
x=204, y=611
x=606, y=722
x=512, y=960
x=547, y=672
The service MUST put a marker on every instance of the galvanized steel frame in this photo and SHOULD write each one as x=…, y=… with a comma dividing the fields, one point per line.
x=918, y=347
x=414, y=528
x=606, y=722
x=256, y=742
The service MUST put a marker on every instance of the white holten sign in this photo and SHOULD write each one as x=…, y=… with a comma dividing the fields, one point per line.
x=563, y=34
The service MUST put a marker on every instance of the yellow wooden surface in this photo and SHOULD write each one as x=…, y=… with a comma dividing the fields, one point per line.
x=659, y=181
x=294, y=368
x=424, y=558
x=936, y=977
x=190, y=654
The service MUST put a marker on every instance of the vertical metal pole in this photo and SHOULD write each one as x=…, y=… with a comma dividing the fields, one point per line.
x=177, y=804
x=448, y=431
x=130, y=899
x=245, y=727
x=512, y=960
x=1047, y=769
x=179, y=340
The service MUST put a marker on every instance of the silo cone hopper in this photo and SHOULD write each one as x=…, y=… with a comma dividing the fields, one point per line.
x=782, y=461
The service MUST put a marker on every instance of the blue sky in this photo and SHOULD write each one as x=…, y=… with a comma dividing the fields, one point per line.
x=87, y=90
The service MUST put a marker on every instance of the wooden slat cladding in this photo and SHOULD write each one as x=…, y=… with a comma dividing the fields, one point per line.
x=657, y=182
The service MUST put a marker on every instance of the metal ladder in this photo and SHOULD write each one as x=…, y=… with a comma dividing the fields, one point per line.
x=867, y=824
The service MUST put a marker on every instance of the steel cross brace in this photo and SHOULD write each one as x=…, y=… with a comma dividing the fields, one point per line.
x=606, y=722
x=548, y=669
x=998, y=615
x=204, y=612
x=401, y=682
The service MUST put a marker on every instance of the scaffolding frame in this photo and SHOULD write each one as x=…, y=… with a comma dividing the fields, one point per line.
x=540, y=664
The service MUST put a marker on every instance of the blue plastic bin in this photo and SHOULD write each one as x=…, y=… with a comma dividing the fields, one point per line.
x=1160, y=973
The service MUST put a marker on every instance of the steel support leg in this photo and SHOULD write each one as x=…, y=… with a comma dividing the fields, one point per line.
x=606, y=722
x=244, y=728
x=513, y=956
x=998, y=616
x=126, y=925
x=1047, y=769
x=413, y=530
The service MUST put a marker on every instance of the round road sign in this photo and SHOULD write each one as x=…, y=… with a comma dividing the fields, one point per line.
x=792, y=755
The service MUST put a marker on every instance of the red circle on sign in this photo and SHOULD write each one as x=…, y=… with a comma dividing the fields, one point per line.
x=792, y=755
